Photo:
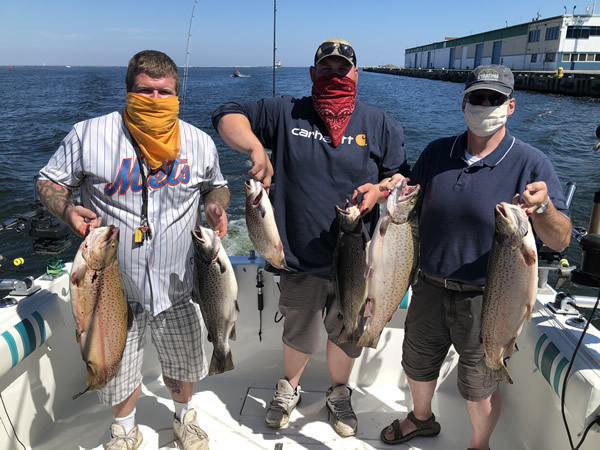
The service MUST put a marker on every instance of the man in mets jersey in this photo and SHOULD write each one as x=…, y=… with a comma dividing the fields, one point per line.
x=145, y=171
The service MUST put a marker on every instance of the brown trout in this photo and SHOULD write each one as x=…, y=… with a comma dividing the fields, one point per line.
x=510, y=289
x=392, y=260
x=348, y=271
x=262, y=228
x=215, y=290
x=102, y=315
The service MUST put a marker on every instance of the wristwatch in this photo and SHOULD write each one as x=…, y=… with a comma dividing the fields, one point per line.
x=544, y=207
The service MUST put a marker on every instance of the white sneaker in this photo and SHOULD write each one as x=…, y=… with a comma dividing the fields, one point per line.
x=189, y=433
x=284, y=401
x=122, y=441
x=338, y=402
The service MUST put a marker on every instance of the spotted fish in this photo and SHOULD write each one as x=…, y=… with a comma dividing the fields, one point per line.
x=262, y=228
x=348, y=271
x=510, y=289
x=392, y=260
x=102, y=315
x=215, y=290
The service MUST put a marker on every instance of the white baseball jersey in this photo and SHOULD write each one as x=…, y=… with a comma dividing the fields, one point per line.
x=98, y=156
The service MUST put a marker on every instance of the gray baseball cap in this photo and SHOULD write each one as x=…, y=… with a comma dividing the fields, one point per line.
x=492, y=77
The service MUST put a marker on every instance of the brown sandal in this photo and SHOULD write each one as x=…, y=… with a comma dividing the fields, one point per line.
x=425, y=428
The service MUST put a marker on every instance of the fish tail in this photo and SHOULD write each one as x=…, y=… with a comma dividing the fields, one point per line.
x=500, y=374
x=221, y=365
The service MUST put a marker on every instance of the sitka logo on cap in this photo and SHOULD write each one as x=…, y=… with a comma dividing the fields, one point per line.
x=488, y=75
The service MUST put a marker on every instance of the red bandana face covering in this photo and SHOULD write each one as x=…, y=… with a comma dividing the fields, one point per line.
x=334, y=99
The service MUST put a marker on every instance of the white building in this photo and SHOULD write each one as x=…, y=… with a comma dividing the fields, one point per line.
x=568, y=41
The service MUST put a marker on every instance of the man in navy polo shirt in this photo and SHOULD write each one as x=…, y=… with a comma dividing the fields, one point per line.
x=462, y=178
x=326, y=148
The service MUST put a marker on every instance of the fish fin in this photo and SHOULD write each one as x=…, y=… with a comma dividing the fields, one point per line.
x=529, y=255
x=369, y=306
x=129, y=317
x=78, y=276
x=384, y=225
x=500, y=374
x=348, y=336
x=220, y=365
x=232, y=335
x=261, y=210
x=344, y=336
x=510, y=348
x=237, y=306
x=78, y=335
x=96, y=379
x=528, y=313
x=222, y=267
x=209, y=337
x=368, y=339
x=81, y=393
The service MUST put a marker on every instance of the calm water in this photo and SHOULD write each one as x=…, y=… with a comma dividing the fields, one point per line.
x=41, y=104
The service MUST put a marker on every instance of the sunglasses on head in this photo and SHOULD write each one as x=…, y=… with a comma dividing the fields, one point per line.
x=327, y=48
x=495, y=99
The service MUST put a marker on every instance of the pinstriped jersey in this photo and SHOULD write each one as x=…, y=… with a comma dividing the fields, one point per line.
x=98, y=157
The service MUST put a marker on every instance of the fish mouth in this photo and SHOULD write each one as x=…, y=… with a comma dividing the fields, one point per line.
x=112, y=232
x=254, y=186
x=501, y=209
x=409, y=191
x=197, y=233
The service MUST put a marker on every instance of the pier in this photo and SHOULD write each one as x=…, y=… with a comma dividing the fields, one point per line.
x=573, y=83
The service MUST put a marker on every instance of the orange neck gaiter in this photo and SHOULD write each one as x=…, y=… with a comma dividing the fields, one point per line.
x=153, y=123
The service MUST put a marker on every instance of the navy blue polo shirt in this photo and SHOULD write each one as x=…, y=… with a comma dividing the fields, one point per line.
x=312, y=176
x=456, y=221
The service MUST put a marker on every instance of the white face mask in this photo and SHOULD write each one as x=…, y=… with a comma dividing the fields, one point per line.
x=485, y=120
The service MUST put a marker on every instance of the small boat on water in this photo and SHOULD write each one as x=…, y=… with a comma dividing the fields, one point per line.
x=41, y=369
x=237, y=74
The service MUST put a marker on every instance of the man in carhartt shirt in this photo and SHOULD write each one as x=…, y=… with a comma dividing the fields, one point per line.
x=326, y=148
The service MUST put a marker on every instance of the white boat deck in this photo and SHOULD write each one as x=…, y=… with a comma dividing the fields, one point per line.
x=231, y=407
x=231, y=410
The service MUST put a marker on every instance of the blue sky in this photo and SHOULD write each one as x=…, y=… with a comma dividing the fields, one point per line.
x=240, y=32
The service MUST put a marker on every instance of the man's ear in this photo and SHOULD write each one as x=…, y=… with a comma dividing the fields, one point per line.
x=511, y=107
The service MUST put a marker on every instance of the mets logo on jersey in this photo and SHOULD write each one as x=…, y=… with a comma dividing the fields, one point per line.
x=128, y=177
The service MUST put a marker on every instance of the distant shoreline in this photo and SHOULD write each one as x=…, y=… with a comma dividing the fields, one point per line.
x=125, y=66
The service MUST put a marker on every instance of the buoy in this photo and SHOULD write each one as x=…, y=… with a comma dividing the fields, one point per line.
x=18, y=261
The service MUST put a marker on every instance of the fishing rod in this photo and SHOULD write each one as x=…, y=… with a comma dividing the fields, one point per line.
x=274, y=46
x=187, y=61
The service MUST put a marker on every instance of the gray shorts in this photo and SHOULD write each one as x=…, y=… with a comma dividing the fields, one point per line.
x=177, y=335
x=437, y=318
x=304, y=300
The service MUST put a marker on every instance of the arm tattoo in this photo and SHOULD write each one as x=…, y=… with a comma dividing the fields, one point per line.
x=174, y=386
x=221, y=195
x=54, y=197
